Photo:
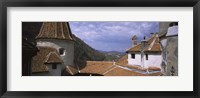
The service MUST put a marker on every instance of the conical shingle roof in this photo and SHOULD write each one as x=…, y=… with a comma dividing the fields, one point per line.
x=55, y=30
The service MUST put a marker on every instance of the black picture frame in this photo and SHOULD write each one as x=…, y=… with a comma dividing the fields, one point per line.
x=98, y=3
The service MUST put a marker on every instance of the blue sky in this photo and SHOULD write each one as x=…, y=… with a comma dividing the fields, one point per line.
x=112, y=36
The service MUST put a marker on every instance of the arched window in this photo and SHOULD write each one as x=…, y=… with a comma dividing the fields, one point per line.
x=62, y=51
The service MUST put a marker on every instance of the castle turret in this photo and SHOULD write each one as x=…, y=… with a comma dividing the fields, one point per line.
x=58, y=35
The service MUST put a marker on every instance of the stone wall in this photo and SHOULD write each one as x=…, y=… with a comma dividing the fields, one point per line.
x=163, y=26
x=169, y=45
x=172, y=56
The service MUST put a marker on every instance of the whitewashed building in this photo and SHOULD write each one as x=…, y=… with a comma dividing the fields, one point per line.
x=145, y=54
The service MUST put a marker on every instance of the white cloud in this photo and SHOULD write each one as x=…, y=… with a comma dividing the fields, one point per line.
x=88, y=36
x=91, y=26
x=97, y=34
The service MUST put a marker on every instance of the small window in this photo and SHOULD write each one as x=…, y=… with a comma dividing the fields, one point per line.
x=147, y=57
x=54, y=66
x=62, y=51
x=133, y=56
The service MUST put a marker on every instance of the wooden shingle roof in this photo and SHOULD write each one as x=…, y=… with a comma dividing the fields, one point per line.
x=45, y=55
x=53, y=58
x=55, y=30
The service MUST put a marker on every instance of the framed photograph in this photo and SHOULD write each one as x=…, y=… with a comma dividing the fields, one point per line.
x=74, y=48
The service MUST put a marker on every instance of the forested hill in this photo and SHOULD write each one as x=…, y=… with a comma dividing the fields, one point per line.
x=84, y=52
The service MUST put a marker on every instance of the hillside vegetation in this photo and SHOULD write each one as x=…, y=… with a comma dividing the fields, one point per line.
x=83, y=53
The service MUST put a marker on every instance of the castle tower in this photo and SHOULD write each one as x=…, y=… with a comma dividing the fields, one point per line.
x=134, y=39
x=58, y=35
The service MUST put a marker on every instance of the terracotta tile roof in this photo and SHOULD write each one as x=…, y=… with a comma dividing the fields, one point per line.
x=55, y=30
x=123, y=60
x=107, y=68
x=98, y=67
x=155, y=48
x=150, y=40
x=153, y=45
x=118, y=71
x=45, y=54
x=71, y=70
x=136, y=48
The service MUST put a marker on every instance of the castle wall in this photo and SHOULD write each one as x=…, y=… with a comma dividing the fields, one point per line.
x=172, y=56
x=163, y=27
x=169, y=45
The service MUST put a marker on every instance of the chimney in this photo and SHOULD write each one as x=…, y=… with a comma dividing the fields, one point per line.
x=157, y=34
x=144, y=43
x=134, y=39
x=151, y=34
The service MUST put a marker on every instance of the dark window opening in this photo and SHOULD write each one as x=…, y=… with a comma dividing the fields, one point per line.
x=62, y=51
x=147, y=57
x=133, y=56
x=54, y=66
